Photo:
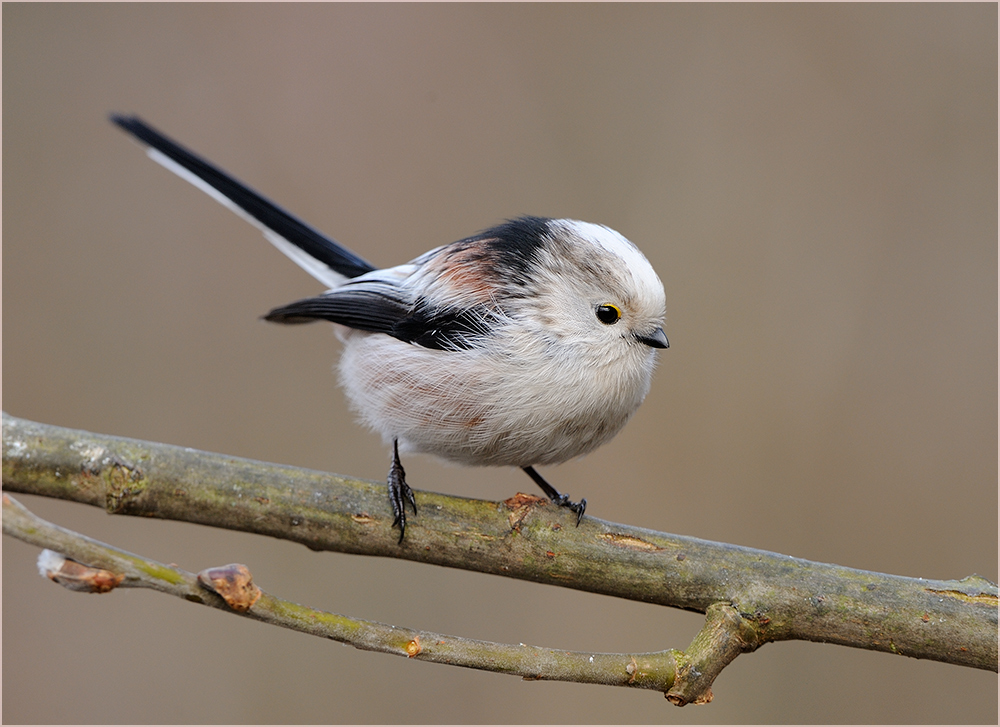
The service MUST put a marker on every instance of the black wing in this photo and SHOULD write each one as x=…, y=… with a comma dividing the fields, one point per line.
x=361, y=308
x=377, y=310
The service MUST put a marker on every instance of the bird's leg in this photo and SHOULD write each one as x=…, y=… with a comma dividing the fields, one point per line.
x=553, y=494
x=399, y=492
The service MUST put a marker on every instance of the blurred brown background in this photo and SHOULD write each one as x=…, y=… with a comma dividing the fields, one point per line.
x=816, y=186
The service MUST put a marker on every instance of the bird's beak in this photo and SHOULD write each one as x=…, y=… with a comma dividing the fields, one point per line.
x=656, y=339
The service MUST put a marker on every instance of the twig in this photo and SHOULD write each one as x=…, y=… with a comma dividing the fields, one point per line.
x=654, y=670
x=774, y=597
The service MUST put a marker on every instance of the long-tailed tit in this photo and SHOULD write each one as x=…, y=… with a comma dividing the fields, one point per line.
x=529, y=343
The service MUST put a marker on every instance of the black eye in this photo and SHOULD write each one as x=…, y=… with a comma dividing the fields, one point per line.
x=608, y=314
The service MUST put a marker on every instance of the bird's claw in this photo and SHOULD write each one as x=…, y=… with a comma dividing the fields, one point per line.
x=399, y=492
x=577, y=507
x=554, y=495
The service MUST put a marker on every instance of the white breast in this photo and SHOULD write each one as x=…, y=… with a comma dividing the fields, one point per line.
x=491, y=406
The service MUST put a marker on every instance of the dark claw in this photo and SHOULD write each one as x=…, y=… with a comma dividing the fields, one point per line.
x=577, y=507
x=399, y=492
x=553, y=494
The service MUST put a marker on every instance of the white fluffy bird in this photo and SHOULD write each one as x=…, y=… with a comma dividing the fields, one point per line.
x=529, y=343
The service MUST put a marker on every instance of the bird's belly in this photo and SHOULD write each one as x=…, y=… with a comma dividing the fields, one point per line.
x=464, y=407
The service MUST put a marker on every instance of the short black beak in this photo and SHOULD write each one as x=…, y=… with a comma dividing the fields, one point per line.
x=656, y=339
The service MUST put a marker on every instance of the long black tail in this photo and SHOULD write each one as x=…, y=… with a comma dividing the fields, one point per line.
x=321, y=256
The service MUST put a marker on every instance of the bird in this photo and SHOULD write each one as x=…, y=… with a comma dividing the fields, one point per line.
x=529, y=343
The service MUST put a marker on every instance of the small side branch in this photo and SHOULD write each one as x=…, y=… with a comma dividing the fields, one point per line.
x=98, y=567
x=725, y=635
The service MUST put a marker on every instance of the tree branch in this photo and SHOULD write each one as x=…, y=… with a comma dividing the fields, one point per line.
x=752, y=596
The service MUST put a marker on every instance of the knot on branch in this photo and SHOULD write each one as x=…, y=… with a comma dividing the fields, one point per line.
x=124, y=484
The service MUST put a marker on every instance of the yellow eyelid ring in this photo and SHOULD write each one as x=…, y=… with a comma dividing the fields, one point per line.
x=608, y=313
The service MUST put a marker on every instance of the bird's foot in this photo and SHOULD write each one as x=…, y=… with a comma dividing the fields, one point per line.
x=555, y=496
x=399, y=492
x=577, y=507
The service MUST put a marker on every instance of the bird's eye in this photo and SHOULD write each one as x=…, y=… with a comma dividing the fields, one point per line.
x=608, y=314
